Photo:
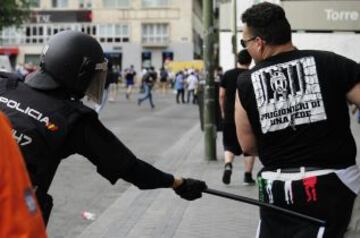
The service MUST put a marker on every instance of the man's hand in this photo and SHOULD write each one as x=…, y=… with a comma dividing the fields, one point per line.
x=189, y=189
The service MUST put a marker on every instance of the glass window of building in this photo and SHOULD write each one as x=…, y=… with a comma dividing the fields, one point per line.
x=146, y=59
x=85, y=3
x=32, y=59
x=113, y=33
x=31, y=34
x=59, y=3
x=12, y=35
x=155, y=33
x=154, y=3
x=34, y=3
x=116, y=3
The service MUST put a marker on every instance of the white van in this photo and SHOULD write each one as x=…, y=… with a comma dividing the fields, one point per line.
x=5, y=63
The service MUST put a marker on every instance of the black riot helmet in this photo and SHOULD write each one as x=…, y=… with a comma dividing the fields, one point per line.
x=74, y=62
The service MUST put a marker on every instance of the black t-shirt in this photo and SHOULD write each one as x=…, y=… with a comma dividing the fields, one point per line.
x=228, y=82
x=130, y=75
x=296, y=104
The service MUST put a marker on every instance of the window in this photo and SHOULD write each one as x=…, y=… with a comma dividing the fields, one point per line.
x=59, y=3
x=40, y=33
x=34, y=3
x=156, y=33
x=34, y=34
x=11, y=35
x=116, y=3
x=146, y=59
x=85, y=3
x=32, y=59
x=113, y=33
x=154, y=3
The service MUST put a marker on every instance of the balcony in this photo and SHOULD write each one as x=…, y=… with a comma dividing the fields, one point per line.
x=155, y=42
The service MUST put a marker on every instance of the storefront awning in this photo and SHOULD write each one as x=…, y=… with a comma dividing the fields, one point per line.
x=9, y=51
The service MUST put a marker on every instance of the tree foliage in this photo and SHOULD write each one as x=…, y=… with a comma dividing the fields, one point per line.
x=13, y=12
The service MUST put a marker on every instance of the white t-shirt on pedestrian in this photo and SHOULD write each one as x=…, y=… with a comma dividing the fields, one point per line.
x=192, y=82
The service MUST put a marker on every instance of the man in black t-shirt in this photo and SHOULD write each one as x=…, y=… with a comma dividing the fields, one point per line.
x=149, y=80
x=130, y=74
x=292, y=111
x=227, y=105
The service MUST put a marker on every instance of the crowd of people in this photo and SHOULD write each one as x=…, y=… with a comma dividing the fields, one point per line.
x=184, y=84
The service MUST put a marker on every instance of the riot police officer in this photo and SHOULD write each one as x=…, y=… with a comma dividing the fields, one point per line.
x=51, y=123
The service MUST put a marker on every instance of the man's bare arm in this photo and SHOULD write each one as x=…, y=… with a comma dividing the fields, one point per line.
x=354, y=95
x=244, y=131
x=222, y=101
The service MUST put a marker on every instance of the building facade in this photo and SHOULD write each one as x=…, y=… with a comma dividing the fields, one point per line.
x=142, y=33
x=322, y=24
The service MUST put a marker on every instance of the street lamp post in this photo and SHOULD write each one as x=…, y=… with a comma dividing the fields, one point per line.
x=234, y=30
x=209, y=102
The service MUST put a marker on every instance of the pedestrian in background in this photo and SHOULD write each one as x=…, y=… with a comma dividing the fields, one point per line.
x=114, y=87
x=192, y=83
x=129, y=74
x=292, y=111
x=231, y=144
x=20, y=216
x=148, y=83
x=180, y=87
x=164, y=80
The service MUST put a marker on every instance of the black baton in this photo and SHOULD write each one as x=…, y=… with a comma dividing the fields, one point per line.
x=263, y=204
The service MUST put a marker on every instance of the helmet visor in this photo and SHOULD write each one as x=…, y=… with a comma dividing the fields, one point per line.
x=96, y=88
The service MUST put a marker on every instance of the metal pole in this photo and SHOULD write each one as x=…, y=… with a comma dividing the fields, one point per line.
x=234, y=30
x=209, y=91
x=263, y=204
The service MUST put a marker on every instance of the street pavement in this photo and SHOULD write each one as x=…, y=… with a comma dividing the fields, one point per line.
x=170, y=138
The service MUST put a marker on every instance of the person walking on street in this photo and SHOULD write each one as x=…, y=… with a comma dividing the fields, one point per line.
x=20, y=215
x=164, y=80
x=130, y=74
x=52, y=123
x=180, y=87
x=114, y=86
x=292, y=111
x=231, y=144
x=192, y=83
x=148, y=84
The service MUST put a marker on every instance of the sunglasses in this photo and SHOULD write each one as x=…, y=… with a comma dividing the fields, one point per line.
x=244, y=42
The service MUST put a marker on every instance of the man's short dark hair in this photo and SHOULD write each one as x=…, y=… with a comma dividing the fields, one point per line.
x=268, y=21
x=244, y=57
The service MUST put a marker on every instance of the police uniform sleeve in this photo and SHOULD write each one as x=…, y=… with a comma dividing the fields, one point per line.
x=112, y=158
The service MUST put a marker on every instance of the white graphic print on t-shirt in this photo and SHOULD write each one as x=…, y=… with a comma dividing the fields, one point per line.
x=288, y=94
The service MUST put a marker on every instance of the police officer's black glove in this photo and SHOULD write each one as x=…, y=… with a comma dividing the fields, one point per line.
x=190, y=189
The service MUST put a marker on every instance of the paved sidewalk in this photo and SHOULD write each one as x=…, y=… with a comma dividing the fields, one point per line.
x=161, y=213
